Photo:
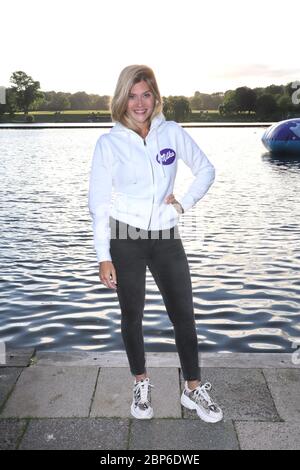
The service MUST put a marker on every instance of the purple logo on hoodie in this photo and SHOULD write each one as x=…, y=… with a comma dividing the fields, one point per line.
x=167, y=156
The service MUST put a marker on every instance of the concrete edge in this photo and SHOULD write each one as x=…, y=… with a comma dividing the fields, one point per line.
x=119, y=359
x=16, y=357
x=30, y=357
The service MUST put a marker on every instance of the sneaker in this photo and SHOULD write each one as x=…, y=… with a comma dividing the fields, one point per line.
x=199, y=400
x=141, y=405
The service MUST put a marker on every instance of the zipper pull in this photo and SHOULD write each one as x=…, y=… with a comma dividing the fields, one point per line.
x=144, y=141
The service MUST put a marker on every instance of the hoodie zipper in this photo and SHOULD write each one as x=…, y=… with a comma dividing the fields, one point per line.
x=148, y=156
x=145, y=144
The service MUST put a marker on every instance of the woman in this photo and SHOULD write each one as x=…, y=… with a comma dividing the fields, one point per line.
x=138, y=158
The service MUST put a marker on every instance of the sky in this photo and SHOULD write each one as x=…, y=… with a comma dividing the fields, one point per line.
x=192, y=45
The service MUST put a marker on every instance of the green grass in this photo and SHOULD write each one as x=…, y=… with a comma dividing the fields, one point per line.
x=50, y=113
x=83, y=116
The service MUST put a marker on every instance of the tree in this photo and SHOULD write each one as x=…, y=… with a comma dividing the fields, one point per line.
x=229, y=105
x=274, y=90
x=80, y=100
x=177, y=108
x=245, y=99
x=59, y=102
x=266, y=105
x=99, y=102
x=196, y=101
x=284, y=104
x=26, y=90
x=181, y=108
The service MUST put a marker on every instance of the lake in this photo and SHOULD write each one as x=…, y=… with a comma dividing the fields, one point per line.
x=241, y=239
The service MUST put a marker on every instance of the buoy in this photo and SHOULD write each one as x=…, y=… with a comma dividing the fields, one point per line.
x=284, y=136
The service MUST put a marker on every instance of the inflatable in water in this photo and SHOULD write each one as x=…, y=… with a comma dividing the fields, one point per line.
x=284, y=136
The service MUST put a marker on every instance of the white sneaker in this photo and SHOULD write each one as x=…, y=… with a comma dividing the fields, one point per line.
x=141, y=405
x=199, y=400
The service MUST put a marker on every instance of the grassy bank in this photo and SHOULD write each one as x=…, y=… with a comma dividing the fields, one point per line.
x=104, y=116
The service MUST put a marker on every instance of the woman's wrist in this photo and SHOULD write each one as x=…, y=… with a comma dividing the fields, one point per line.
x=178, y=207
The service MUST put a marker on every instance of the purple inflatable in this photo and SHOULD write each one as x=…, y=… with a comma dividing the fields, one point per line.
x=284, y=136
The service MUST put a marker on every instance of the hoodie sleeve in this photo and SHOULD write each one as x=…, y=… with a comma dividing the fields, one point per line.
x=99, y=198
x=201, y=167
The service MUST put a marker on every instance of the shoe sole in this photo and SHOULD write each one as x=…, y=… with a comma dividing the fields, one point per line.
x=185, y=401
x=140, y=417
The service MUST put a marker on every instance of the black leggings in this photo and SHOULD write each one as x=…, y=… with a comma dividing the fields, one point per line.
x=162, y=251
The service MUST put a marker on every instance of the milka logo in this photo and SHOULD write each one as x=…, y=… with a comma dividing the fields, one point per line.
x=167, y=156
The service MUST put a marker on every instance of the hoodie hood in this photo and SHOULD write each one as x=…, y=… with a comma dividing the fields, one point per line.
x=156, y=122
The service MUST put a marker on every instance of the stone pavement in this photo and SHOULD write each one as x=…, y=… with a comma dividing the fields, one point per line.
x=81, y=400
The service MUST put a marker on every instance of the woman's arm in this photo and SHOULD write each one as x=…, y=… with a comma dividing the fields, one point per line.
x=201, y=167
x=99, y=199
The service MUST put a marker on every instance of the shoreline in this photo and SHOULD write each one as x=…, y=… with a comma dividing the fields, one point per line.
x=32, y=357
x=108, y=125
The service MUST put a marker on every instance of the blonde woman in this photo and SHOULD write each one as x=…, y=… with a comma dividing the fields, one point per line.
x=138, y=159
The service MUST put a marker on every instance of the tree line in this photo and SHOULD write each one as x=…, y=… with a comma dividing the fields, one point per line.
x=271, y=102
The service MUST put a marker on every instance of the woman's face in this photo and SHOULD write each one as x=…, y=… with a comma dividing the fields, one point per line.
x=140, y=104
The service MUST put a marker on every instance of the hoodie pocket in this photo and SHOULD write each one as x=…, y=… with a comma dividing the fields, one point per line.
x=173, y=214
x=124, y=175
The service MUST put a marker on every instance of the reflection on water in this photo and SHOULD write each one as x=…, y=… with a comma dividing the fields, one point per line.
x=242, y=243
x=287, y=160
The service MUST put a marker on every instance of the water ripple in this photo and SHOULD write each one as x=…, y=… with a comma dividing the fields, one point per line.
x=243, y=252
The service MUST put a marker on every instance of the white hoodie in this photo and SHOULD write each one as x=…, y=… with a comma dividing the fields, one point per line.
x=142, y=173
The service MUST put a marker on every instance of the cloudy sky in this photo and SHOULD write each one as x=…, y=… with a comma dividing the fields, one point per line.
x=191, y=45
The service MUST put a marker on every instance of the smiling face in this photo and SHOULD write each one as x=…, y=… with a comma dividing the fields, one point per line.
x=140, y=104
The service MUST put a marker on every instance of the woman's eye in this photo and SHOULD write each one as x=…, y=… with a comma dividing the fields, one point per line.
x=146, y=95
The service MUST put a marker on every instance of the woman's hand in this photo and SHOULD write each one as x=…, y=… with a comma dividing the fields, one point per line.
x=171, y=200
x=107, y=274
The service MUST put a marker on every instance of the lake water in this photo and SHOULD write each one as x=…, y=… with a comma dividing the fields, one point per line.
x=241, y=239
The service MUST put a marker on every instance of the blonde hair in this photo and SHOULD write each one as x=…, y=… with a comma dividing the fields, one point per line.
x=129, y=76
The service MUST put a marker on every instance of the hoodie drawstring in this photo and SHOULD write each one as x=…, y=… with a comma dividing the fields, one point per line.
x=159, y=154
x=131, y=159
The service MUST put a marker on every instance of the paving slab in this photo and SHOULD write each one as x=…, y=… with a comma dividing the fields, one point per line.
x=8, y=378
x=11, y=431
x=113, y=395
x=52, y=392
x=76, y=434
x=242, y=394
x=17, y=357
x=268, y=436
x=284, y=385
x=179, y=434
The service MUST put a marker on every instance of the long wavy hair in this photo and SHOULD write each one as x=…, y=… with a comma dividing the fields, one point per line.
x=129, y=76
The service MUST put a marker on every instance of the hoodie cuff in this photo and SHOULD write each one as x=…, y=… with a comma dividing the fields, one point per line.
x=187, y=202
x=103, y=255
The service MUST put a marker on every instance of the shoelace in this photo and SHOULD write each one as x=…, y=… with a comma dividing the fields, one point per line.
x=142, y=388
x=201, y=393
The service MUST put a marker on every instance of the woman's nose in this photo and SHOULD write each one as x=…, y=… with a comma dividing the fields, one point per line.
x=140, y=101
